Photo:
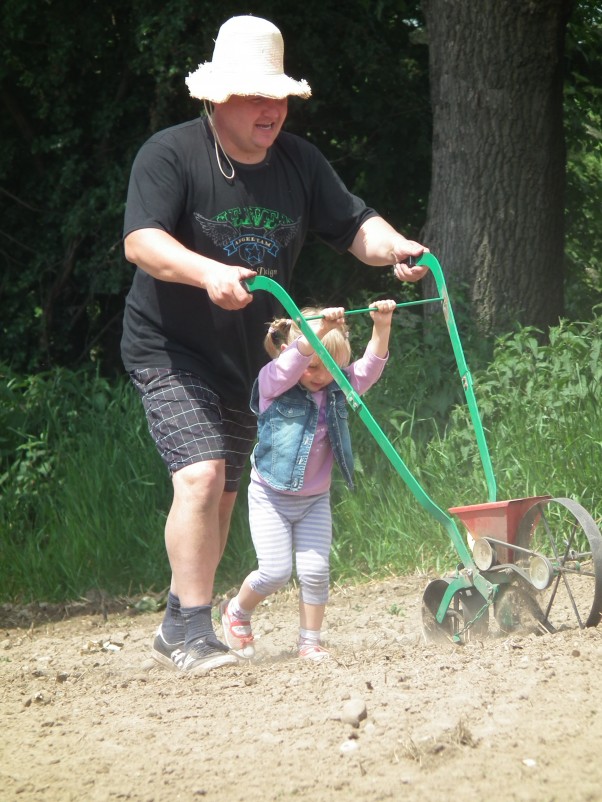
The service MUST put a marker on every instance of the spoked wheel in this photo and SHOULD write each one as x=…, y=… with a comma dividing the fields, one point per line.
x=466, y=618
x=567, y=574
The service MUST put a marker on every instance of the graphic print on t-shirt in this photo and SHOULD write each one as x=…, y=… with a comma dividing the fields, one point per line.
x=252, y=232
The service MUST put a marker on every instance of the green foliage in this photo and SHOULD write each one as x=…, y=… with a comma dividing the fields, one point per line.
x=83, y=495
x=83, y=86
x=541, y=410
x=420, y=352
x=541, y=405
x=583, y=123
x=369, y=113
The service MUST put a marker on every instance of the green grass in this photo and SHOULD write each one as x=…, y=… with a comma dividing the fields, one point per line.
x=83, y=495
x=541, y=409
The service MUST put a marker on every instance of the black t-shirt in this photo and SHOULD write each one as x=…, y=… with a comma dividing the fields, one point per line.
x=259, y=220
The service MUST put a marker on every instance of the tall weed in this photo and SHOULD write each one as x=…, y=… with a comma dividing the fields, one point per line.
x=541, y=407
x=80, y=493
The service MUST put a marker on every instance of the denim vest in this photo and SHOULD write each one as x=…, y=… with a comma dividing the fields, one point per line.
x=286, y=432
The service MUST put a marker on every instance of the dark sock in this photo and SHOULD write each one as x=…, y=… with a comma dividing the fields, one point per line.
x=199, y=628
x=173, y=623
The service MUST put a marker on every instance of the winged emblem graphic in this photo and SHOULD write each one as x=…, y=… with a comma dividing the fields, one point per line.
x=251, y=241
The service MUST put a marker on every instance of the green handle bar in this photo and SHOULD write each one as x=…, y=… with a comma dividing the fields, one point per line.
x=375, y=308
x=356, y=403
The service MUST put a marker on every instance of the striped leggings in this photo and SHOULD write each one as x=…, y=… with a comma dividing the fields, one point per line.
x=282, y=524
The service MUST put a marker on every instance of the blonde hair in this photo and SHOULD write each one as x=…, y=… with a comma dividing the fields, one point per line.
x=283, y=331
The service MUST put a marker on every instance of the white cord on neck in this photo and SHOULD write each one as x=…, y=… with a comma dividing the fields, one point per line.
x=219, y=146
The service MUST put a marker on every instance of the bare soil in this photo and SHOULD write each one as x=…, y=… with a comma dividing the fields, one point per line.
x=87, y=716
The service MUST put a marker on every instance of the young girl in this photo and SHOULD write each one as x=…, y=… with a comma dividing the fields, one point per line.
x=302, y=430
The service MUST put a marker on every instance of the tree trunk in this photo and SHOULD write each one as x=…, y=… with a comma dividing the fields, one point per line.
x=496, y=204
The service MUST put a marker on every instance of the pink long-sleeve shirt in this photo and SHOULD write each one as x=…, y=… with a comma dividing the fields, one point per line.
x=281, y=374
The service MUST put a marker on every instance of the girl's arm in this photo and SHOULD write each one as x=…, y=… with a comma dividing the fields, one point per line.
x=282, y=373
x=367, y=370
x=331, y=318
x=381, y=330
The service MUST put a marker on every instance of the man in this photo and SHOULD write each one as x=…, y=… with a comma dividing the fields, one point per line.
x=213, y=202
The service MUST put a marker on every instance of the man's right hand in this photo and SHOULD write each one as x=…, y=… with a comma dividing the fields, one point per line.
x=163, y=257
x=225, y=288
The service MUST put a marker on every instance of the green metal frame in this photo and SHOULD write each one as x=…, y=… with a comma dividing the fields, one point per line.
x=471, y=577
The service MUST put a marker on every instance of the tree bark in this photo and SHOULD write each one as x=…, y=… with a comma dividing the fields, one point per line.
x=496, y=204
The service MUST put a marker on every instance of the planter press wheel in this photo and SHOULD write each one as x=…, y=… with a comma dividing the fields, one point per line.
x=516, y=609
x=568, y=575
x=466, y=618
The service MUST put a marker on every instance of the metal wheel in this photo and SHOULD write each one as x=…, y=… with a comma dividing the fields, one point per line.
x=516, y=610
x=466, y=618
x=567, y=574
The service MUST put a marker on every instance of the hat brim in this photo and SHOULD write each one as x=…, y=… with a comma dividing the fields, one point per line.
x=205, y=84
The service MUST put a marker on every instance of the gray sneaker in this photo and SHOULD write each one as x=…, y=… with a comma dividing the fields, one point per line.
x=162, y=651
x=206, y=654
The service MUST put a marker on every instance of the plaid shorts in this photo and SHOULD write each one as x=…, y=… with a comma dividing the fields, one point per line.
x=189, y=423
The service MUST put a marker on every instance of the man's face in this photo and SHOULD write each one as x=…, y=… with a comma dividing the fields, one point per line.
x=248, y=126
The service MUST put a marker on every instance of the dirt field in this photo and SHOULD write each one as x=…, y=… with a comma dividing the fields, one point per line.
x=85, y=717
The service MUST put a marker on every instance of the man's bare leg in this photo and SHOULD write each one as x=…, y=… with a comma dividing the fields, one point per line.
x=196, y=533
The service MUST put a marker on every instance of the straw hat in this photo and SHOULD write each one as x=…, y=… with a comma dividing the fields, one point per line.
x=248, y=59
